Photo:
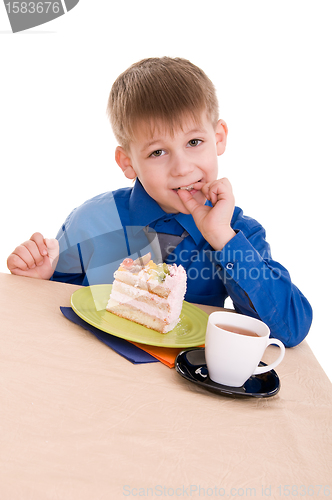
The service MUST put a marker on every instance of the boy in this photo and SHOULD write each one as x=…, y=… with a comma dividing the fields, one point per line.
x=164, y=114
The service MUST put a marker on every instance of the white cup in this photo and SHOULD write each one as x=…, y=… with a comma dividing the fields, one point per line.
x=232, y=358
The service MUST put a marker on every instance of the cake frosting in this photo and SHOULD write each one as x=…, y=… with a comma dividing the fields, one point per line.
x=148, y=293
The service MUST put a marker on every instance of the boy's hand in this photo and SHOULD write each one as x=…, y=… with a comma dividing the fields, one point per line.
x=35, y=258
x=214, y=223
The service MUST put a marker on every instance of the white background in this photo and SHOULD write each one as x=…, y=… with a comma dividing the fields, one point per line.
x=271, y=64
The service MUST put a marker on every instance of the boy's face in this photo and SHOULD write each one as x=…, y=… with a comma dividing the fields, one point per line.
x=164, y=162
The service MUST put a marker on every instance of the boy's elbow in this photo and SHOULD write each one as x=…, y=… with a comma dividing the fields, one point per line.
x=301, y=326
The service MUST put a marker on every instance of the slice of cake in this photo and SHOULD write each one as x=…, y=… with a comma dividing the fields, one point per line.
x=149, y=294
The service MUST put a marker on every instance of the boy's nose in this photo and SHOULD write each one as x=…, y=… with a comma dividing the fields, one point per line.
x=181, y=166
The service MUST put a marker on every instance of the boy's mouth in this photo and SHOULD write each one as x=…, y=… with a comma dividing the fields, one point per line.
x=187, y=188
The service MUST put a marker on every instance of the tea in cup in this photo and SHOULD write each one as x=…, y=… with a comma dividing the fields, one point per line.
x=234, y=346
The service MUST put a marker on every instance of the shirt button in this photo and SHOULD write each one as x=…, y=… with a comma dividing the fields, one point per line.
x=229, y=265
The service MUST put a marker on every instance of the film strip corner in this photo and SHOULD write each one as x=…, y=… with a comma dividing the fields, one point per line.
x=24, y=15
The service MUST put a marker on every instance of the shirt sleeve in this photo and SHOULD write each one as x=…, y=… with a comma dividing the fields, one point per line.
x=91, y=241
x=70, y=268
x=261, y=287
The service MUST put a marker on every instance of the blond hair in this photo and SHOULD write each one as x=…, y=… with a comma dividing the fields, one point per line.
x=164, y=90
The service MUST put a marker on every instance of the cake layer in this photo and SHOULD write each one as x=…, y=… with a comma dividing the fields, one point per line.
x=133, y=314
x=123, y=292
x=145, y=307
x=142, y=281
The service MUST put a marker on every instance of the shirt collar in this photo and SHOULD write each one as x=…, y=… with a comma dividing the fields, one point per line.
x=144, y=210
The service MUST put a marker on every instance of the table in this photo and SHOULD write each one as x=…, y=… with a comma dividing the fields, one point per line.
x=79, y=422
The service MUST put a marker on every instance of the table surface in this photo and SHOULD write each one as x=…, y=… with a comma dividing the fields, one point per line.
x=78, y=421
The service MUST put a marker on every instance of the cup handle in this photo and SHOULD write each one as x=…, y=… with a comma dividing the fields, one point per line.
x=264, y=369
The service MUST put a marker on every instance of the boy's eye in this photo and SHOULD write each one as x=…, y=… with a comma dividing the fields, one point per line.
x=158, y=152
x=194, y=142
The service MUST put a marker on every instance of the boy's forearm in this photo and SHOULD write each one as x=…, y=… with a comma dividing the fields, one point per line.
x=261, y=287
x=220, y=240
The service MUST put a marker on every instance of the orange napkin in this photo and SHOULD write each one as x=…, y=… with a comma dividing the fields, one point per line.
x=166, y=355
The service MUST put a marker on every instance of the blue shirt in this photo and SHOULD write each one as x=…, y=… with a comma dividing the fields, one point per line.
x=99, y=234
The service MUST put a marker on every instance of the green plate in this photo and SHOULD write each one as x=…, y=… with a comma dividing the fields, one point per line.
x=90, y=304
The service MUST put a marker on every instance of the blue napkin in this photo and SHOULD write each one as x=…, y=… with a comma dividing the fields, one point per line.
x=121, y=346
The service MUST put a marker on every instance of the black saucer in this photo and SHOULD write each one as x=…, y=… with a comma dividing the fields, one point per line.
x=191, y=365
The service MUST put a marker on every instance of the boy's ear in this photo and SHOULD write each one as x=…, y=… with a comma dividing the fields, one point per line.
x=221, y=136
x=124, y=162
